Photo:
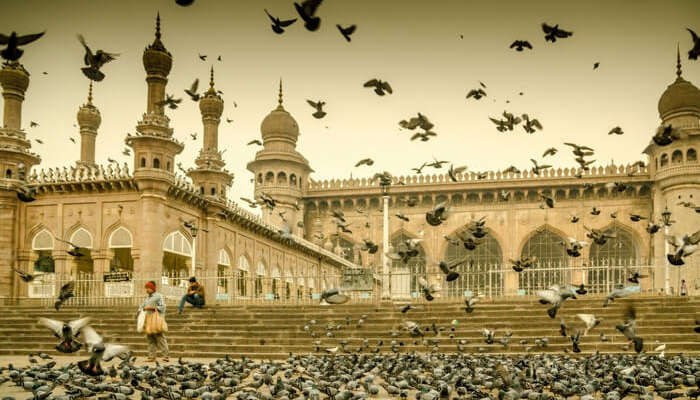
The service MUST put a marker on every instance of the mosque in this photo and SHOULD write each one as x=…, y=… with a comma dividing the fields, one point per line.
x=148, y=222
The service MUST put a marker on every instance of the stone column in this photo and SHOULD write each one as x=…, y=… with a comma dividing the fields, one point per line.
x=8, y=217
x=14, y=80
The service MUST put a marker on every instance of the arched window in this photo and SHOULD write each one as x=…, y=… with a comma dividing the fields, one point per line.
x=8, y=174
x=260, y=178
x=664, y=160
x=213, y=191
x=81, y=238
x=143, y=162
x=620, y=250
x=259, y=275
x=42, y=246
x=481, y=273
x=292, y=180
x=677, y=157
x=168, y=166
x=551, y=256
x=300, y=287
x=120, y=244
x=404, y=281
x=269, y=177
x=281, y=177
x=288, y=282
x=691, y=156
x=156, y=163
x=177, y=243
x=276, y=281
x=201, y=190
x=222, y=270
x=177, y=255
x=243, y=271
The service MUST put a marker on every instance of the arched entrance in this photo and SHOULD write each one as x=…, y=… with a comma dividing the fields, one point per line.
x=481, y=273
x=404, y=276
x=609, y=263
x=242, y=276
x=275, y=282
x=82, y=239
x=259, y=279
x=177, y=258
x=550, y=267
x=120, y=244
x=223, y=275
x=42, y=262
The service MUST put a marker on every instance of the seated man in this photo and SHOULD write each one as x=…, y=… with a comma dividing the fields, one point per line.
x=194, y=296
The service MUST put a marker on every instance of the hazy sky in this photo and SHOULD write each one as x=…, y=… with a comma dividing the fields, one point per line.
x=415, y=45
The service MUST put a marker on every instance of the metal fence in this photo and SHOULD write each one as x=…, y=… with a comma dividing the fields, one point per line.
x=241, y=287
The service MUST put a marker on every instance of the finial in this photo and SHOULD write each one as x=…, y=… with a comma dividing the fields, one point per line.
x=90, y=94
x=279, y=101
x=678, y=60
x=211, y=78
x=158, y=25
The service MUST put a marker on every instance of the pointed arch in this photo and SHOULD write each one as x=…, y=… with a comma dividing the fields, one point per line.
x=620, y=250
x=224, y=258
x=42, y=240
x=544, y=231
x=405, y=275
x=261, y=269
x=243, y=263
x=81, y=237
x=481, y=274
x=120, y=238
x=176, y=242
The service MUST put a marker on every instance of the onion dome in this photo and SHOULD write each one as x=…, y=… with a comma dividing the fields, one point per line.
x=156, y=59
x=279, y=124
x=88, y=115
x=679, y=96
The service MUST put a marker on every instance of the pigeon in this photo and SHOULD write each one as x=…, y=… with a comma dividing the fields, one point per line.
x=67, y=291
x=126, y=152
x=469, y=303
x=692, y=54
x=192, y=91
x=575, y=342
x=452, y=172
x=596, y=65
x=170, y=101
x=12, y=52
x=184, y=3
x=365, y=161
x=427, y=290
x=537, y=168
x=665, y=135
x=476, y=94
x=522, y=263
x=549, y=201
x=99, y=351
x=307, y=11
x=74, y=251
x=448, y=269
x=575, y=246
x=581, y=289
x=488, y=335
x=652, y=228
x=423, y=136
x=194, y=136
x=319, y=108
x=39, y=141
x=590, y=320
x=636, y=217
x=530, y=125
x=333, y=296
x=628, y=328
x=369, y=246
x=520, y=44
x=563, y=327
x=684, y=246
x=438, y=214
x=598, y=236
x=346, y=32
x=549, y=152
x=279, y=25
x=635, y=277
x=401, y=217
x=416, y=122
x=254, y=141
x=553, y=32
x=95, y=61
x=556, y=297
x=67, y=332
x=616, y=293
x=616, y=130
x=595, y=211
x=25, y=276
x=202, y=57
x=380, y=87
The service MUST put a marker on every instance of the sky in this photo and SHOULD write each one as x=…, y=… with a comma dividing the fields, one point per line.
x=414, y=45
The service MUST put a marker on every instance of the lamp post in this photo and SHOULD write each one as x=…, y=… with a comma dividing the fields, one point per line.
x=666, y=219
x=386, y=270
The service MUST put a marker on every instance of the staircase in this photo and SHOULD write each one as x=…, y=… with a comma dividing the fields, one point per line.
x=216, y=331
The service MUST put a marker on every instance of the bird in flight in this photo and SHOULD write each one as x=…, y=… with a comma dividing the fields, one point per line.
x=307, y=10
x=12, y=52
x=95, y=61
x=380, y=87
x=553, y=32
x=319, y=108
x=520, y=44
x=695, y=51
x=346, y=32
x=278, y=25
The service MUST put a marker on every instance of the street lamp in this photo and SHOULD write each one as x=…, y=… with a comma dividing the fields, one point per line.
x=193, y=230
x=385, y=182
x=666, y=219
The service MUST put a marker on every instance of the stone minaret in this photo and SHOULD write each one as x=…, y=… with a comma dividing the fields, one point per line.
x=675, y=170
x=89, y=120
x=16, y=161
x=154, y=147
x=210, y=176
x=280, y=170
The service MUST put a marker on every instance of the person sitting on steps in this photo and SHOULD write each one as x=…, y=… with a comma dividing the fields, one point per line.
x=194, y=296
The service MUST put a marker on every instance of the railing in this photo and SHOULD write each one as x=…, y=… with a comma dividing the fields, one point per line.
x=245, y=288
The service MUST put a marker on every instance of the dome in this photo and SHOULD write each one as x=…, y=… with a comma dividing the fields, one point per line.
x=156, y=59
x=89, y=117
x=13, y=76
x=679, y=96
x=279, y=123
x=211, y=103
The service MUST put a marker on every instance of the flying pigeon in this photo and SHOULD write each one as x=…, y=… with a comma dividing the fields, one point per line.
x=95, y=61
x=67, y=332
x=553, y=32
x=279, y=25
x=307, y=11
x=99, y=351
x=346, y=32
x=380, y=86
x=12, y=52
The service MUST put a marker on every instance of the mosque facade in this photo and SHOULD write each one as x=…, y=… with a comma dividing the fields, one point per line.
x=147, y=221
